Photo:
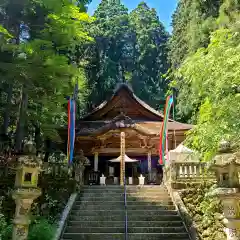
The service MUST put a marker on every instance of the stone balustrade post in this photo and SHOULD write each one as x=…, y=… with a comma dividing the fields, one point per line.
x=226, y=166
x=80, y=162
x=170, y=174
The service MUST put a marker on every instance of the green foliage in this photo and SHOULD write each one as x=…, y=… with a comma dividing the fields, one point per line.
x=192, y=23
x=39, y=64
x=41, y=230
x=55, y=194
x=3, y=223
x=110, y=54
x=205, y=210
x=8, y=232
x=5, y=33
x=5, y=228
x=150, y=55
x=207, y=79
x=211, y=79
x=128, y=48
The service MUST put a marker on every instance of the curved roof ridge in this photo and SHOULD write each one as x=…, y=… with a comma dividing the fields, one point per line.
x=129, y=89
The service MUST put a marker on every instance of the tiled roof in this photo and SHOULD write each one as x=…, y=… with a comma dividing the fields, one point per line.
x=155, y=126
x=131, y=93
x=148, y=128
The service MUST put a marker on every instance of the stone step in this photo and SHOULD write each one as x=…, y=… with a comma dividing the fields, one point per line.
x=132, y=201
x=122, y=187
x=91, y=229
x=129, y=197
x=106, y=190
x=151, y=202
x=135, y=217
x=91, y=207
x=121, y=236
x=102, y=186
x=100, y=213
x=121, y=224
x=121, y=193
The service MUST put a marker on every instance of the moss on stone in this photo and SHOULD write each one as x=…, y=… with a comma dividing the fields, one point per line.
x=206, y=211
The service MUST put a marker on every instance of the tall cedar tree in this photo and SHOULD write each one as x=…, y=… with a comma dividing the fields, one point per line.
x=111, y=53
x=130, y=48
x=150, y=55
x=192, y=22
x=36, y=64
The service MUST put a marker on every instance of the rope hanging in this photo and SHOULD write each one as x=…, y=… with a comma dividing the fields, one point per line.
x=71, y=129
x=163, y=146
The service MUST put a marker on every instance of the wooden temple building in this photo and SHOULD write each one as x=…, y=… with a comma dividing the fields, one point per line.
x=98, y=135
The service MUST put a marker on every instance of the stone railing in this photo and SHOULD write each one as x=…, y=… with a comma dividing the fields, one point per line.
x=56, y=169
x=179, y=174
x=181, y=170
x=53, y=169
x=190, y=170
x=224, y=169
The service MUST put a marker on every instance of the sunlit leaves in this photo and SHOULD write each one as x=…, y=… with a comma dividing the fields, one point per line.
x=209, y=77
x=4, y=33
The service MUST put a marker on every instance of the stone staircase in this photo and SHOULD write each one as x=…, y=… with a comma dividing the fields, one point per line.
x=98, y=214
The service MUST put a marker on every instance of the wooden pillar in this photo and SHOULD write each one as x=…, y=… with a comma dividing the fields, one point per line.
x=122, y=162
x=95, y=161
x=150, y=164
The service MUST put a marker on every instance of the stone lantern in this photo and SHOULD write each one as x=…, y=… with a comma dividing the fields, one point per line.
x=26, y=190
x=80, y=162
x=226, y=166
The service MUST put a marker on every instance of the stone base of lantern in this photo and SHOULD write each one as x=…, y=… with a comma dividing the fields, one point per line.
x=230, y=198
x=232, y=229
x=24, y=199
x=20, y=229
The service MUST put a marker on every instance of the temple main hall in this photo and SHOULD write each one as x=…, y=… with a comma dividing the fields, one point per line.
x=98, y=136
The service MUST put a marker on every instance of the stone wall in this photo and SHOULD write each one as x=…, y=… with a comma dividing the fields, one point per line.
x=205, y=211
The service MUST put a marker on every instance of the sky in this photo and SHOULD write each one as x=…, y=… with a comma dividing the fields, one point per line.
x=165, y=8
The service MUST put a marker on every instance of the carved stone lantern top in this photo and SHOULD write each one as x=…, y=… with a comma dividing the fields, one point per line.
x=29, y=148
x=226, y=156
x=81, y=159
x=226, y=165
x=29, y=158
x=28, y=168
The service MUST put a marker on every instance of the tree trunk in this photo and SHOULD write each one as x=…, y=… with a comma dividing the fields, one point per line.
x=47, y=150
x=21, y=120
x=6, y=114
x=37, y=138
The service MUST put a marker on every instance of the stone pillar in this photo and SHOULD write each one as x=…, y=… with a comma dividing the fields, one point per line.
x=149, y=158
x=111, y=171
x=95, y=161
x=122, y=162
x=231, y=207
x=26, y=190
x=80, y=162
x=226, y=166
